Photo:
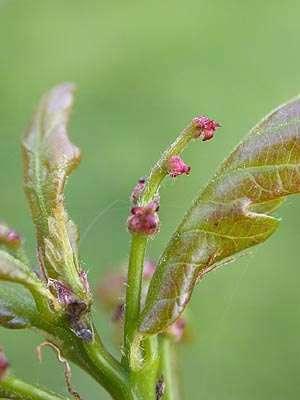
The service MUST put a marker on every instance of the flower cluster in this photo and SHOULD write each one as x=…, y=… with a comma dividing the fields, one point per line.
x=144, y=219
x=176, y=166
x=205, y=127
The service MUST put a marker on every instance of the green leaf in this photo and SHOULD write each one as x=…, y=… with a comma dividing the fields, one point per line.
x=13, y=270
x=230, y=215
x=17, y=308
x=49, y=158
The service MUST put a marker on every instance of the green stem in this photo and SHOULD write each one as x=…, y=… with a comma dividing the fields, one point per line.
x=141, y=356
x=168, y=369
x=139, y=242
x=133, y=296
x=106, y=370
x=92, y=356
x=13, y=388
x=159, y=170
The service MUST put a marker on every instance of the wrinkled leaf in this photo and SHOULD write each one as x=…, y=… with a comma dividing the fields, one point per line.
x=49, y=158
x=17, y=308
x=230, y=215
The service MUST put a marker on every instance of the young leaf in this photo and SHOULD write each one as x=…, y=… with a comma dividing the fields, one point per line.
x=49, y=158
x=17, y=308
x=230, y=215
x=13, y=270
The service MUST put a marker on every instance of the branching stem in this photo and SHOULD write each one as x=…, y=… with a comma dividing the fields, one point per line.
x=13, y=388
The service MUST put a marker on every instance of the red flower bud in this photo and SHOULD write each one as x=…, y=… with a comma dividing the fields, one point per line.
x=4, y=364
x=144, y=220
x=205, y=127
x=138, y=190
x=176, y=167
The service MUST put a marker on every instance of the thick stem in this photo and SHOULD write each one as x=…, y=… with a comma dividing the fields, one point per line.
x=168, y=369
x=92, y=357
x=106, y=370
x=13, y=388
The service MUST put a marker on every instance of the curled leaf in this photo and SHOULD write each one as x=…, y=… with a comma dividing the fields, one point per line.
x=230, y=215
x=49, y=158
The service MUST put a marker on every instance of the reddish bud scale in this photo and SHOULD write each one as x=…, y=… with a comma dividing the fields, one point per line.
x=205, y=127
x=4, y=364
x=176, y=166
x=138, y=190
x=144, y=220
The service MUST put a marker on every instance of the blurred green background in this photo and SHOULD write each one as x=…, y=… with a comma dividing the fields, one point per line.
x=143, y=69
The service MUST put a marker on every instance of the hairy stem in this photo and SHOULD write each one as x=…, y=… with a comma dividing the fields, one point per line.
x=14, y=388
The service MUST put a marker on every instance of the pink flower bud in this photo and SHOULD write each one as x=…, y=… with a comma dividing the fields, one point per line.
x=138, y=190
x=149, y=268
x=9, y=237
x=177, y=329
x=176, y=166
x=4, y=364
x=144, y=220
x=205, y=127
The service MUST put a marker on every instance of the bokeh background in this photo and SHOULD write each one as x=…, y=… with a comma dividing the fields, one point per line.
x=143, y=69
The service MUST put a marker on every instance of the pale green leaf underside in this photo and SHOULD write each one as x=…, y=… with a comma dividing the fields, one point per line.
x=230, y=215
x=49, y=158
x=17, y=308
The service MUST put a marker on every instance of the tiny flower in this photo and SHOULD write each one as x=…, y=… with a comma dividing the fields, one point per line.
x=205, y=127
x=176, y=166
x=144, y=219
x=9, y=237
x=177, y=329
x=138, y=190
x=4, y=364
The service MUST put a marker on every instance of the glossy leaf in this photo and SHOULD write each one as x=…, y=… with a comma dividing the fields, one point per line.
x=230, y=215
x=49, y=158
